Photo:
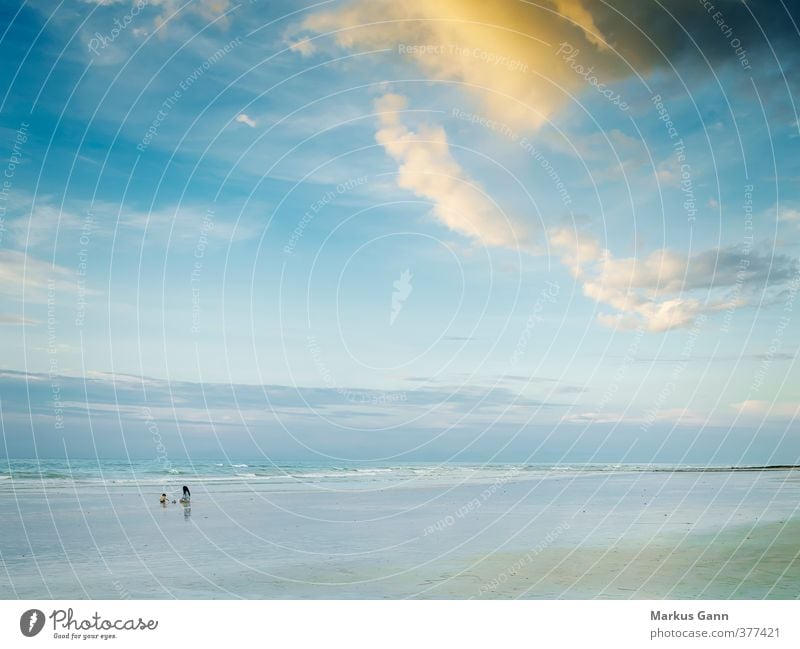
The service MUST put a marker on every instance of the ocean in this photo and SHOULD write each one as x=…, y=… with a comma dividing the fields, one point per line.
x=44, y=473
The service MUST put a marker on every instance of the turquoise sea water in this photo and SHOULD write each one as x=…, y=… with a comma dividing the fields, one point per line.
x=54, y=472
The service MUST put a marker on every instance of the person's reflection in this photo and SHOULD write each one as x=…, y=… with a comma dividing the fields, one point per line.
x=187, y=510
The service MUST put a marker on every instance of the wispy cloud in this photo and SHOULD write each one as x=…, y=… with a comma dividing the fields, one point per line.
x=175, y=9
x=668, y=416
x=789, y=214
x=6, y=319
x=304, y=46
x=139, y=397
x=23, y=277
x=761, y=409
x=32, y=226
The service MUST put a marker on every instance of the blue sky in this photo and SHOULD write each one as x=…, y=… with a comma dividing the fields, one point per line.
x=371, y=231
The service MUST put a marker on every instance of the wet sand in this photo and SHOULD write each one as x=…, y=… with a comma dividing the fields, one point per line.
x=747, y=562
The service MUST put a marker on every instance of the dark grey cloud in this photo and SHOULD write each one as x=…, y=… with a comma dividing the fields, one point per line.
x=659, y=33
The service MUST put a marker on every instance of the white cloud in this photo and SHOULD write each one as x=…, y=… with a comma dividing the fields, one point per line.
x=210, y=10
x=653, y=292
x=6, y=319
x=35, y=228
x=427, y=168
x=789, y=214
x=304, y=46
x=669, y=172
x=25, y=278
x=760, y=409
x=669, y=416
x=242, y=118
x=172, y=10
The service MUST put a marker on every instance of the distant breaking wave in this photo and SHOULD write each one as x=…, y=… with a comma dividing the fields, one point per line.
x=31, y=473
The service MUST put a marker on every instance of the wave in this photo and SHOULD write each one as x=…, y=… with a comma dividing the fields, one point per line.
x=150, y=473
x=39, y=475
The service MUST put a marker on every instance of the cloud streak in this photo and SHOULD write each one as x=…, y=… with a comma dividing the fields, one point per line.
x=427, y=168
x=23, y=277
x=31, y=226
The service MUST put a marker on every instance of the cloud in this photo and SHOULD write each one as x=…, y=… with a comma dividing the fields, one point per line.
x=669, y=416
x=304, y=46
x=501, y=51
x=33, y=226
x=653, y=292
x=571, y=389
x=760, y=409
x=6, y=319
x=661, y=291
x=242, y=118
x=26, y=278
x=721, y=358
x=668, y=172
x=505, y=53
x=172, y=10
x=427, y=168
x=210, y=10
x=138, y=397
x=577, y=13
x=789, y=214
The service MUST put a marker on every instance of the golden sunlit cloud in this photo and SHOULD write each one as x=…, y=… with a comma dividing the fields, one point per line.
x=505, y=53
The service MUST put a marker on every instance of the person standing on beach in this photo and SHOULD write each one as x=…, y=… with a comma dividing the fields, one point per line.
x=186, y=493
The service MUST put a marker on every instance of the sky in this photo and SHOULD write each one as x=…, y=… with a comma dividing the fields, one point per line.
x=552, y=231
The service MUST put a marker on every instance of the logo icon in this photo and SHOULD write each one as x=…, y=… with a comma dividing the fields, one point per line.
x=31, y=622
x=402, y=290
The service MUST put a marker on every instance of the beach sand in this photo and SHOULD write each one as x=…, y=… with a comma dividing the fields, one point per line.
x=747, y=562
x=615, y=535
